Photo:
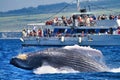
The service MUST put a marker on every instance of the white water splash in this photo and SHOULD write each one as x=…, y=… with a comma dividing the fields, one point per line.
x=87, y=51
x=115, y=70
x=52, y=70
x=80, y=47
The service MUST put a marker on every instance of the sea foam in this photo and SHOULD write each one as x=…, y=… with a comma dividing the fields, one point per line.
x=51, y=70
x=115, y=70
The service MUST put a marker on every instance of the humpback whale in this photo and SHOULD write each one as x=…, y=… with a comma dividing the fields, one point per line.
x=83, y=59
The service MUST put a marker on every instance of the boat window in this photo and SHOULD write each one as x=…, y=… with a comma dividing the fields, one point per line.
x=90, y=31
x=71, y=31
x=97, y=30
x=55, y=30
x=80, y=30
x=61, y=30
x=103, y=30
x=68, y=31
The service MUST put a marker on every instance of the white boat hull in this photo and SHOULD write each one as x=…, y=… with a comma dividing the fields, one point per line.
x=90, y=40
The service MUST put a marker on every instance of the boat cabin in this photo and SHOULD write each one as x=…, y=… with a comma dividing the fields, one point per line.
x=83, y=30
x=68, y=31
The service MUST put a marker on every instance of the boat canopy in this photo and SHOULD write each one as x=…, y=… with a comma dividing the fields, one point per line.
x=36, y=24
x=107, y=23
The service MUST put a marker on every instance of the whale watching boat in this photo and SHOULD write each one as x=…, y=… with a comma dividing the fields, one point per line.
x=81, y=28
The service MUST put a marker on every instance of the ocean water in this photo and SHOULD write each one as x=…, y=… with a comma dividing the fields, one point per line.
x=12, y=47
x=10, y=35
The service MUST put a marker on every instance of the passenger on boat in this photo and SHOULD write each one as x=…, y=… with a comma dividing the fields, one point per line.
x=45, y=32
x=34, y=28
x=34, y=33
x=49, y=32
x=50, y=22
x=93, y=17
x=82, y=34
x=119, y=16
x=64, y=19
x=39, y=32
x=80, y=21
x=110, y=31
x=99, y=17
x=103, y=17
x=87, y=21
x=24, y=33
x=92, y=20
x=69, y=21
x=31, y=34
x=118, y=30
x=74, y=17
x=111, y=17
x=55, y=21
x=28, y=32
x=58, y=34
x=60, y=22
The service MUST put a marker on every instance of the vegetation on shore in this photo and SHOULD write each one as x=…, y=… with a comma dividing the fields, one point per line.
x=17, y=23
x=18, y=19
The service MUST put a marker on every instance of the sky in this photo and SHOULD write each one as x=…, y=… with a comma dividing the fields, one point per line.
x=6, y=5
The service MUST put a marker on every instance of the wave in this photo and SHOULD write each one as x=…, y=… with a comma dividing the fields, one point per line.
x=51, y=70
x=10, y=34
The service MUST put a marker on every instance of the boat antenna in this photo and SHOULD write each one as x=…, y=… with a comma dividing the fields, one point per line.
x=89, y=7
x=78, y=5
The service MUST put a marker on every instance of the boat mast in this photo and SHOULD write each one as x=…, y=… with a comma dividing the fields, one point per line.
x=89, y=6
x=78, y=5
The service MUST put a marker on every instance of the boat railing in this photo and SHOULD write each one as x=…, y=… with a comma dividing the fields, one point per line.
x=67, y=35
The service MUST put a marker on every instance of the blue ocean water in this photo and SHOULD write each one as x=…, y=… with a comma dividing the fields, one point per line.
x=12, y=47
